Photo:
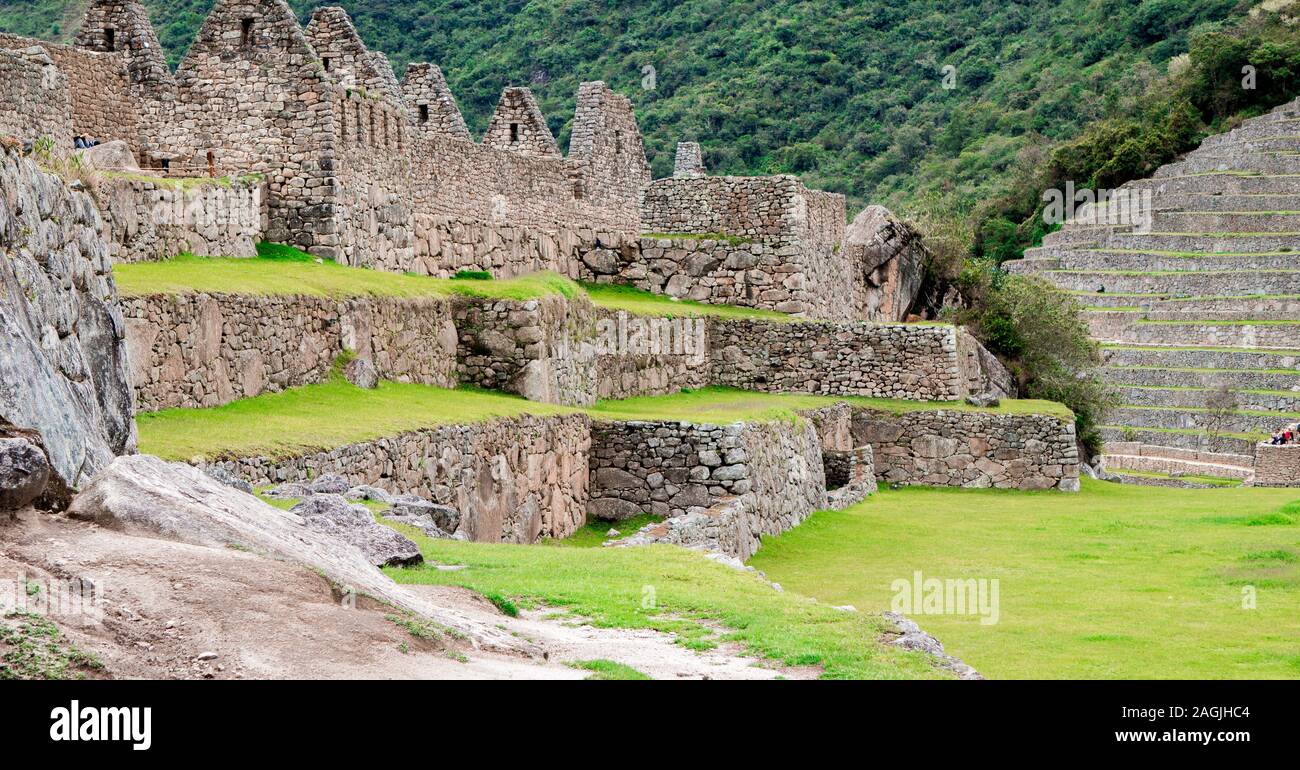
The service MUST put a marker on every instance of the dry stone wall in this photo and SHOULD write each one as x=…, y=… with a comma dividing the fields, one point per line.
x=513, y=480
x=1277, y=465
x=34, y=100
x=203, y=350
x=918, y=362
x=154, y=219
x=551, y=349
x=943, y=447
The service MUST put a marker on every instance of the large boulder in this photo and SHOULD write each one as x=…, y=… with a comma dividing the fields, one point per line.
x=24, y=470
x=110, y=156
x=63, y=366
x=334, y=516
x=890, y=259
x=149, y=497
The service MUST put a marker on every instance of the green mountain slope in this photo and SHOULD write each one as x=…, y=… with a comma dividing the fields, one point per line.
x=849, y=95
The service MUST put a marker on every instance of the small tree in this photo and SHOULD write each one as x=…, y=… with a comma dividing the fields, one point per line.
x=1221, y=405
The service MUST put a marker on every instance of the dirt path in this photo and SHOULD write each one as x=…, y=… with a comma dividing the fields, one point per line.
x=173, y=610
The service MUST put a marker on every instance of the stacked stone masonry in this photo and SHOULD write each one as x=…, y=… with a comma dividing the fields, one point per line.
x=186, y=349
x=954, y=448
x=371, y=172
x=512, y=480
x=155, y=219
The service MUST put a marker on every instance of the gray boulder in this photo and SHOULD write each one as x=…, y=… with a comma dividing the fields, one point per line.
x=224, y=476
x=110, y=156
x=63, y=365
x=334, y=516
x=361, y=373
x=149, y=497
x=445, y=518
x=983, y=400
x=330, y=484
x=366, y=492
x=24, y=471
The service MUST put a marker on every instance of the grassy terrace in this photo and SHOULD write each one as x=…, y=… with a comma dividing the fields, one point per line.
x=284, y=271
x=1182, y=431
x=1205, y=349
x=1117, y=581
x=329, y=415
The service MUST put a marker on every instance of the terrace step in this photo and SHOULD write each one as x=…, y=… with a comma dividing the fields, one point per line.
x=1268, y=163
x=1256, y=306
x=1257, y=423
x=1225, y=222
x=1194, y=357
x=1252, y=132
x=1205, y=243
x=1180, y=438
x=1149, y=261
x=1195, y=398
x=1183, y=283
x=1240, y=462
x=1128, y=328
x=1224, y=202
x=1240, y=379
x=1225, y=183
x=1262, y=142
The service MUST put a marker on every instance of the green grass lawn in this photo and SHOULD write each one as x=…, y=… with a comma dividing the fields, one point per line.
x=333, y=414
x=671, y=589
x=1114, y=582
x=638, y=302
x=321, y=416
x=282, y=271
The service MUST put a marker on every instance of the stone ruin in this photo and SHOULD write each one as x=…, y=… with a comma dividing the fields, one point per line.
x=304, y=136
x=331, y=153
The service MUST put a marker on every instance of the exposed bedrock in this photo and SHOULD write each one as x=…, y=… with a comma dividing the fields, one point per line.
x=63, y=366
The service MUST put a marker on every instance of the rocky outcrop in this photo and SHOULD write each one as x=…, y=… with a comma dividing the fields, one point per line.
x=892, y=260
x=24, y=471
x=146, y=496
x=332, y=515
x=62, y=350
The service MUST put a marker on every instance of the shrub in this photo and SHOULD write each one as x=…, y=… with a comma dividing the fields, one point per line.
x=472, y=275
x=1036, y=330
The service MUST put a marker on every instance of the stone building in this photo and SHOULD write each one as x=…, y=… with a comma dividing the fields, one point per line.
x=372, y=172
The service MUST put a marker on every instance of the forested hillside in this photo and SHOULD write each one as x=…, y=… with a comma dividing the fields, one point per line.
x=848, y=94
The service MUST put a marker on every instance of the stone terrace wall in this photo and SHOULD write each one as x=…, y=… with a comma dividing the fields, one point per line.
x=763, y=242
x=152, y=220
x=1277, y=465
x=971, y=449
x=34, y=100
x=202, y=350
x=918, y=362
x=513, y=480
x=677, y=468
x=551, y=349
x=540, y=348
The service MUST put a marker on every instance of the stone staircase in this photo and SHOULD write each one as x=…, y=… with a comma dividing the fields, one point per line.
x=1204, y=294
